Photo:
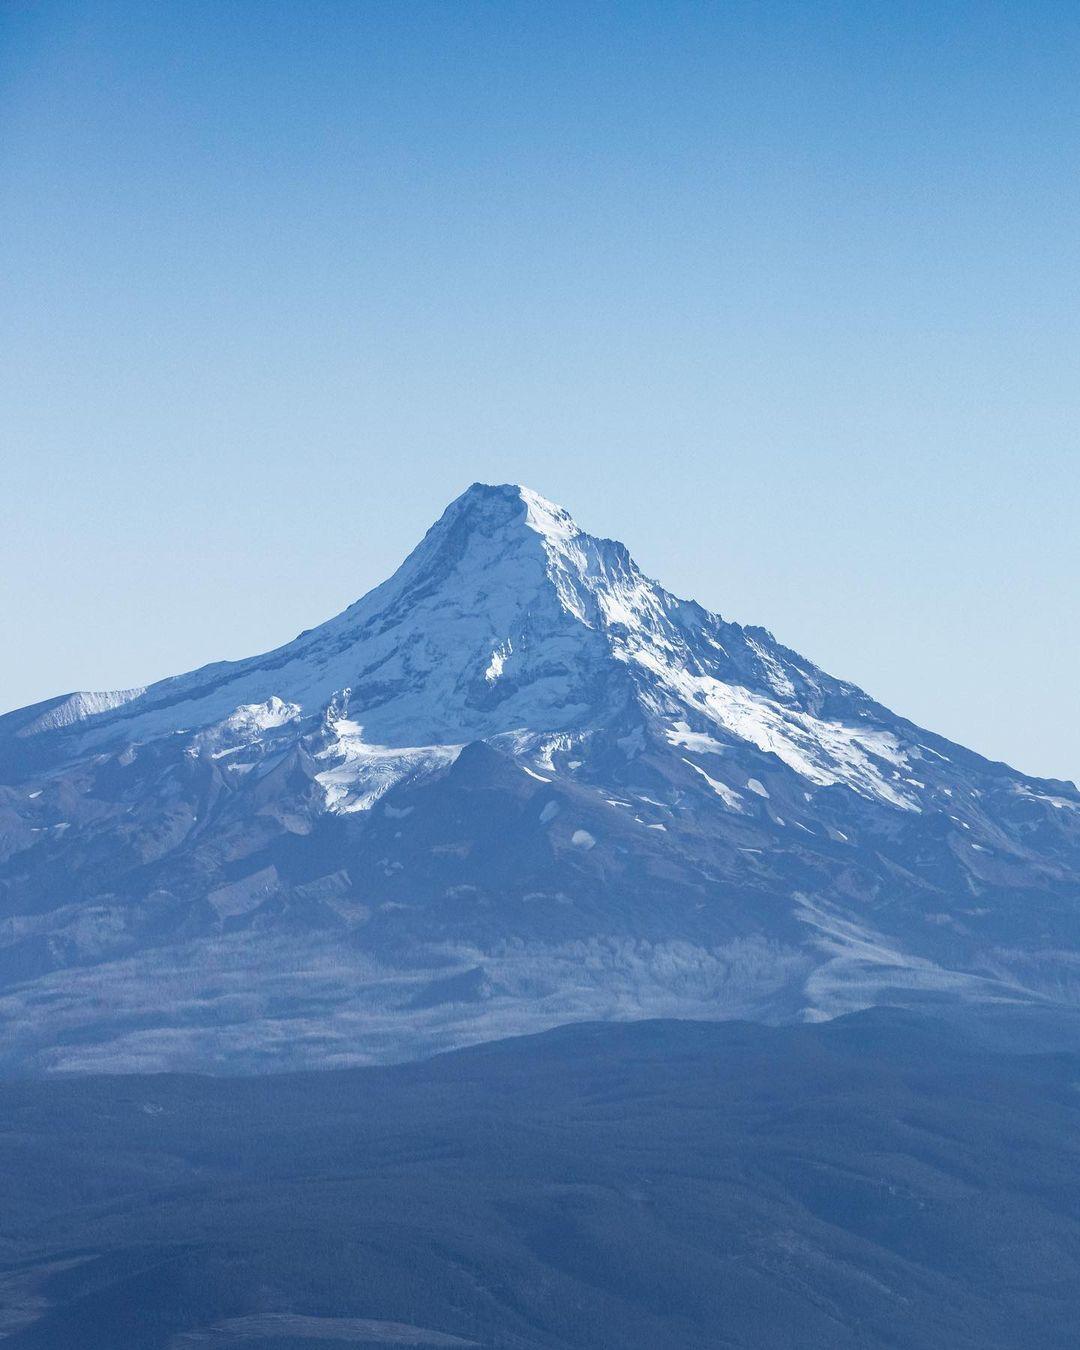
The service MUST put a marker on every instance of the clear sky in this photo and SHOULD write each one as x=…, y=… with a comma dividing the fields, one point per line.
x=785, y=296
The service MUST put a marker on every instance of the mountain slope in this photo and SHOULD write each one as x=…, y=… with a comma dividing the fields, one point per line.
x=875, y=1183
x=517, y=784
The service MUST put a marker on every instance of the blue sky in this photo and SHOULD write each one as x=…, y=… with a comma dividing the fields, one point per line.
x=783, y=295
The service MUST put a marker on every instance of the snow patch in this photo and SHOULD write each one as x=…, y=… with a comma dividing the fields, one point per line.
x=498, y=661
x=1058, y=803
x=729, y=797
x=680, y=734
x=823, y=751
x=360, y=773
x=78, y=707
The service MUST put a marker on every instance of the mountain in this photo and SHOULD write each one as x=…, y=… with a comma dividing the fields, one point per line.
x=877, y=1182
x=518, y=784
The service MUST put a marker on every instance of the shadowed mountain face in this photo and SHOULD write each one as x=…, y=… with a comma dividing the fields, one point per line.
x=877, y=1182
x=515, y=785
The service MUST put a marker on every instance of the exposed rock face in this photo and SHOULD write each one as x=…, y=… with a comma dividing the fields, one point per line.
x=515, y=785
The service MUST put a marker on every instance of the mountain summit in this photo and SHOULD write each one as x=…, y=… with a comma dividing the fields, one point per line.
x=507, y=619
x=518, y=783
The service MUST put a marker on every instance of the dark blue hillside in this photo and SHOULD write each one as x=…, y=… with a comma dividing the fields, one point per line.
x=876, y=1182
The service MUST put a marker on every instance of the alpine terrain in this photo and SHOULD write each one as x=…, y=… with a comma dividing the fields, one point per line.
x=518, y=784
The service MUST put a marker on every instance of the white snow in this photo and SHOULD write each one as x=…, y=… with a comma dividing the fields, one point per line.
x=249, y=723
x=728, y=795
x=78, y=707
x=775, y=673
x=823, y=751
x=498, y=661
x=936, y=753
x=359, y=773
x=547, y=519
x=680, y=734
x=1058, y=803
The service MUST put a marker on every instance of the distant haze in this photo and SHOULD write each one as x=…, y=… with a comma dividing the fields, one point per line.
x=783, y=296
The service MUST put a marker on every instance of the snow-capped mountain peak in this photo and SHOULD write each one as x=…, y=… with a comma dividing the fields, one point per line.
x=508, y=620
x=496, y=621
x=517, y=783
